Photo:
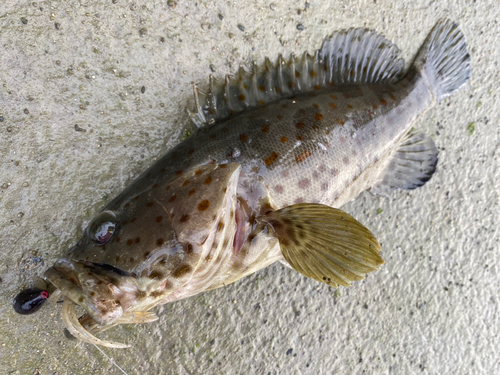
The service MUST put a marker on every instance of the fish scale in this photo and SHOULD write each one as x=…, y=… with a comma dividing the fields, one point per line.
x=277, y=152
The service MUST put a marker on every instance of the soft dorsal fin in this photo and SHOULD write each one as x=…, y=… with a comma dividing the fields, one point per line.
x=411, y=165
x=325, y=243
x=353, y=56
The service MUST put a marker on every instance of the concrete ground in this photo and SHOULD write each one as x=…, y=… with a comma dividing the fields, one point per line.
x=77, y=126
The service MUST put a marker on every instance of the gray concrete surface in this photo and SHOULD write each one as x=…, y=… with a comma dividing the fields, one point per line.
x=433, y=308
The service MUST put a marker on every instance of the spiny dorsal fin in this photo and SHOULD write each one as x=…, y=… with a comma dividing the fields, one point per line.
x=411, y=165
x=353, y=56
x=325, y=243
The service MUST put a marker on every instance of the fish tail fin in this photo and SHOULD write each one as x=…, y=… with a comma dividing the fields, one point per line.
x=443, y=59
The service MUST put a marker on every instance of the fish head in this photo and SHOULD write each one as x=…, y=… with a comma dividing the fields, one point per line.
x=143, y=249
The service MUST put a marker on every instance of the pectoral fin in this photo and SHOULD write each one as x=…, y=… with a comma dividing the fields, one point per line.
x=325, y=243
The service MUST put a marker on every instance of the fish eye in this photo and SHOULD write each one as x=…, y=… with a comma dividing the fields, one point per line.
x=102, y=228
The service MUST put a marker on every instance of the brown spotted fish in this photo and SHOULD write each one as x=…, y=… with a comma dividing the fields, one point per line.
x=277, y=152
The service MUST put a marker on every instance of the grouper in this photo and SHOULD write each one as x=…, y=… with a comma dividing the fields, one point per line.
x=277, y=152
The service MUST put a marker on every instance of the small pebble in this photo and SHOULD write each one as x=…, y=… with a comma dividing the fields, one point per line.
x=24, y=20
x=26, y=111
x=221, y=17
x=114, y=1
x=212, y=68
x=300, y=27
x=162, y=40
x=143, y=31
x=78, y=129
x=289, y=351
x=143, y=89
x=1, y=118
x=57, y=25
x=241, y=27
x=172, y=4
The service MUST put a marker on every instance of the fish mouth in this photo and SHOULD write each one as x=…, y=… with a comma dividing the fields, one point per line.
x=93, y=286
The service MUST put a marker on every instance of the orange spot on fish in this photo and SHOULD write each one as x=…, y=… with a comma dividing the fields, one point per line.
x=318, y=117
x=350, y=106
x=315, y=127
x=299, y=138
x=265, y=128
x=191, y=192
x=149, y=204
x=261, y=102
x=340, y=122
x=241, y=98
x=172, y=198
x=315, y=105
x=332, y=106
x=243, y=137
x=185, y=183
x=178, y=173
x=117, y=239
x=197, y=172
x=360, y=92
x=300, y=125
x=212, y=136
x=346, y=95
x=208, y=180
x=130, y=242
x=279, y=117
x=304, y=183
x=162, y=170
x=160, y=241
x=203, y=205
x=136, y=198
x=127, y=204
x=271, y=158
x=333, y=97
x=284, y=139
x=313, y=73
x=159, y=219
x=191, y=152
x=262, y=88
x=181, y=271
x=220, y=226
x=297, y=74
x=284, y=106
x=278, y=189
x=383, y=102
x=302, y=156
x=137, y=240
x=133, y=219
x=375, y=106
x=392, y=97
x=184, y=218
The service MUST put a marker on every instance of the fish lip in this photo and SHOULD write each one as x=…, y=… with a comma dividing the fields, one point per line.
x=86, y=288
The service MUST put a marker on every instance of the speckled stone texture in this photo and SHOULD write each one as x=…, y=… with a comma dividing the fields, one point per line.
x=92, y=92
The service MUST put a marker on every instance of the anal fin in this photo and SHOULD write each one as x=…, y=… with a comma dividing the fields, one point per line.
x=411, y=165
x=325, y=243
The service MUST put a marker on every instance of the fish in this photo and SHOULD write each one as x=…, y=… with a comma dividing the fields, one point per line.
x=278, y=150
